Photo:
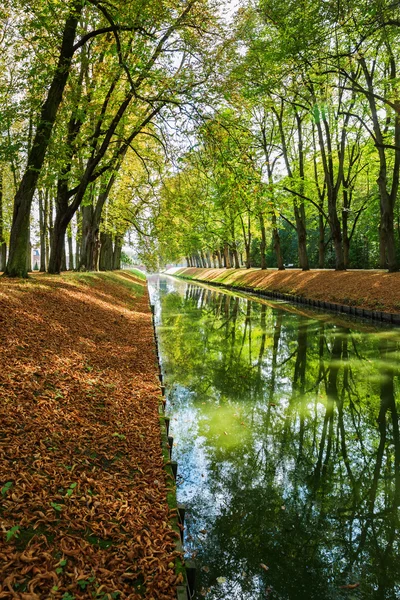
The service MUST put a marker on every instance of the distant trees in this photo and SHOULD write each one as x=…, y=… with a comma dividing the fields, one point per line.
x=314, y=110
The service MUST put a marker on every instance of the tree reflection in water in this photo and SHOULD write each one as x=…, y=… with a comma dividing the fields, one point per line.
x=288, y=446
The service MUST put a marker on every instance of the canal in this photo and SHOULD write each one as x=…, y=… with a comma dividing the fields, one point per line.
x=286, y=433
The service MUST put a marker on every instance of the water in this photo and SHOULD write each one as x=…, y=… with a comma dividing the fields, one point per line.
x=286, y=433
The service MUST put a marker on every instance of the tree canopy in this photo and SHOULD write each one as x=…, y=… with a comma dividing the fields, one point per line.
x=266, y=138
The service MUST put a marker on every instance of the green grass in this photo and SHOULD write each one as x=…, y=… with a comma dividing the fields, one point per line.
x=138, y=273
x=92, y=278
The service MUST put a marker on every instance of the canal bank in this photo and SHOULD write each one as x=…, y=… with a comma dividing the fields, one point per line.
x=285, y=429
x=368, y=294
x=83, y=483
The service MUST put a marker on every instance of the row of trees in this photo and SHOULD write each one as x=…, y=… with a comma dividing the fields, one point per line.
x=302, y=156
x=267, y=140
x=85, y=86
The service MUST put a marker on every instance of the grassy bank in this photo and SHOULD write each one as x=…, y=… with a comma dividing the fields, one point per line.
x=83, y=487
x=372, y=290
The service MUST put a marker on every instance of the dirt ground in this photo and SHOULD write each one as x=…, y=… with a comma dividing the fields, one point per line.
x=82, y=484
x=373, y=290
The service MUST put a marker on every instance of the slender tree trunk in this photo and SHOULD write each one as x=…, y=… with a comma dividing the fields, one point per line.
x=248, y=257
x=321, y=242
x=29, y=252
x=236, y=258
x=117, y=253
x=301, y=231
x=48, y=202
x=17, y=259
x=219, y=259
x=227, y=260
x=263, y=244
x=78, y=240
x=277, y=243
x=203, y=260
x=3, y=246
x=346, y=238
x=70, y=248
x=387, y=246
x=42, y=230
x=337, y=239
x=387, y=199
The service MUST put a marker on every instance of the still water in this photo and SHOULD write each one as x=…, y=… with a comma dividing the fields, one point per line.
x=286, y=433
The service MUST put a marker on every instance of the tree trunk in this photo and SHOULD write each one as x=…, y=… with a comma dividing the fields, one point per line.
x=3, y=255
x=49, y=211
x=219, y=259
x=17, y=259
x=236, y=258
x=336, y=236
x=248, y=257
x=63, y=257
x=78, y=239
x=28, y=262
x=208, y=257
x=91, y=218
x=321, y=242
x=3, y=246
x=106, y=252
x=88, y=239
x=277, y=243
x=387, y=199
x=57, y=245
x=227, y=260
x=301, y=231
x=345, y=227
x=386, y=231
x=42, y=230
x=263, y=244
x=117, y=253
x=203, y=259
x=70, y=248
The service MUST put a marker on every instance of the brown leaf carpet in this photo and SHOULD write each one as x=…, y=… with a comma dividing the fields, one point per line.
x=83, y=491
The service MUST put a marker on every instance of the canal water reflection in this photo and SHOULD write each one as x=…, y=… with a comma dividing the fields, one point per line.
x=286, y=434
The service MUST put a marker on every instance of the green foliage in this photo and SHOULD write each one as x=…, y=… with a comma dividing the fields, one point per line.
x=6, y=488
x=12, y=533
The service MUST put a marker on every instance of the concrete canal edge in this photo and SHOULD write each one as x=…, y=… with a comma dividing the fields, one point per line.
x=184, y=591
x=376, y=315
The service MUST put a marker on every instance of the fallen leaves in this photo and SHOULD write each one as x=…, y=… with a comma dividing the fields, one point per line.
x=373, y=290
x=83, y=488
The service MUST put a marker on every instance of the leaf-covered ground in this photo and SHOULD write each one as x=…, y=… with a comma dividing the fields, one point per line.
x=373, y=290
x=83, y=491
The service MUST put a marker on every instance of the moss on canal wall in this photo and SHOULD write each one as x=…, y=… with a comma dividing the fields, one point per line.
x=370, y=290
